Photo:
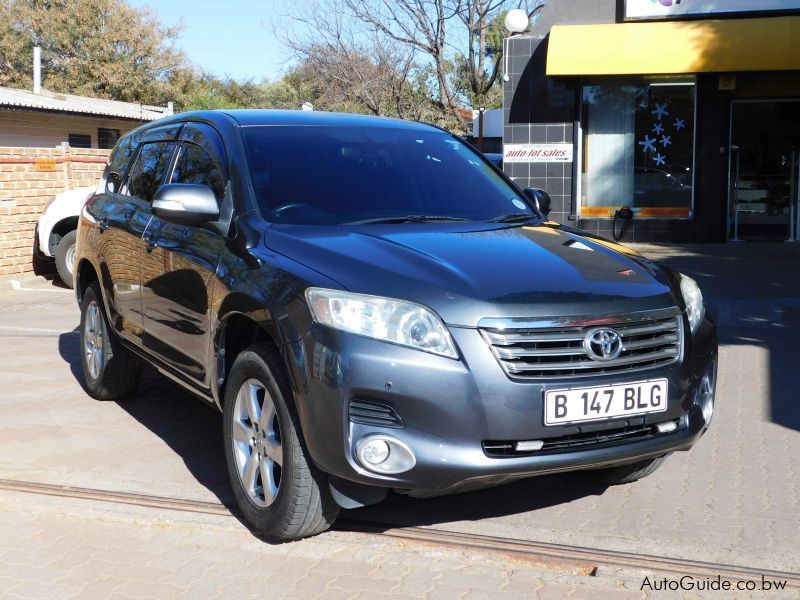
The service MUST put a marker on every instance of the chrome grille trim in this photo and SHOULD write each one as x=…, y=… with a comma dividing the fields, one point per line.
x=650, y=340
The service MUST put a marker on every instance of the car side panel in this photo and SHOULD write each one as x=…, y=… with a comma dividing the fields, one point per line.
x=176, y=294
x=119, y=222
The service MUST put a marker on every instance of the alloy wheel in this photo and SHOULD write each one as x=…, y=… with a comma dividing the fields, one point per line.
x=93, y=339
x=256, y=439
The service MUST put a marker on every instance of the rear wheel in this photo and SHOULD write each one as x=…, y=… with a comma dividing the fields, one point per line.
x=280, y=493
x=629, y=473
x=110, y=371
x=65, y=257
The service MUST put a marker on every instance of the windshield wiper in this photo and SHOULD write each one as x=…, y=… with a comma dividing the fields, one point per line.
x=407, y=219
x=513, y=217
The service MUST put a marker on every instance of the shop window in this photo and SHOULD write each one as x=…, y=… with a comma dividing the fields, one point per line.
x=638, y=147
x=79, y=140
x=107, y=138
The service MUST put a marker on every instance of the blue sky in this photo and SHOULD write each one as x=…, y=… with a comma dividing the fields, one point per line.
x=227, y=37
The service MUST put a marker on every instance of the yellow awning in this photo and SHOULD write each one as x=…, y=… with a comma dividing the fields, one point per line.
x=768, y=44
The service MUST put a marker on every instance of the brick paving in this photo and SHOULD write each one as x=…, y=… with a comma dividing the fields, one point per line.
x=733, y=499
x=61, y=549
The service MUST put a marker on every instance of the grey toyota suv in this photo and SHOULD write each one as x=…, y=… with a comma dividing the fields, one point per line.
x=372, y=305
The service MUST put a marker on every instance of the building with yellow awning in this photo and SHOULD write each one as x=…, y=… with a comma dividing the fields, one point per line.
x=687, y=112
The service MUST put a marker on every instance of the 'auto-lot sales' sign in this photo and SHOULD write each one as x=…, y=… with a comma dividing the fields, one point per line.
x=519, y=153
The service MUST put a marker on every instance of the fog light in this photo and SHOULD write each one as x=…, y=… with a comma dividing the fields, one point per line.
x=384, y=454
x=375, y=452
x=667, y=426
x=529, y=446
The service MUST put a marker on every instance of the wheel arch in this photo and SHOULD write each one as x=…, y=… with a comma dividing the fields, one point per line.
x=85, y=274
x=59, y=230
x=242, y=322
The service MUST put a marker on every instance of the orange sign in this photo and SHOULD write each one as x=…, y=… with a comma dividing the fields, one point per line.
x=596, y=211
x=641, y=213
x=44, y=164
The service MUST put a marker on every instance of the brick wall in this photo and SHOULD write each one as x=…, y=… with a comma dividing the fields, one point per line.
x=29, y=177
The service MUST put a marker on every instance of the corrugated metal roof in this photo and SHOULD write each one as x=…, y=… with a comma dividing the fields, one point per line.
x=10, y=97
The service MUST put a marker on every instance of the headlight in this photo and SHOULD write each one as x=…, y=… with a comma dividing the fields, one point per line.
x=693, y=298
x=395, y=321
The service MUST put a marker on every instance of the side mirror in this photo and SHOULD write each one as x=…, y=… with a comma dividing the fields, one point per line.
x=185, y=204
x=540, y=199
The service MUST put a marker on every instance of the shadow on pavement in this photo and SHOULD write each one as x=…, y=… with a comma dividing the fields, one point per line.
x=189, y=427
x=194, y=432
x=522, y=496
x=753, y=292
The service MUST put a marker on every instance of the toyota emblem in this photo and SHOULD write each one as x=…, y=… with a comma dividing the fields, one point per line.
x=602, y=344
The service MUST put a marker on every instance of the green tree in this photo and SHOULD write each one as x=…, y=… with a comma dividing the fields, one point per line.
x=100, y=48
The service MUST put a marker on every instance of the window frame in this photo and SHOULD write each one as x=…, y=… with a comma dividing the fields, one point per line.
x=583, y=134
x=88, y=136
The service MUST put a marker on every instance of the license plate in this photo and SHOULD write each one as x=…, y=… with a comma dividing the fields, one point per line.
x=604, y=402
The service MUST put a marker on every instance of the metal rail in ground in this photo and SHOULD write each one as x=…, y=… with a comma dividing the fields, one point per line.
x=574, y=558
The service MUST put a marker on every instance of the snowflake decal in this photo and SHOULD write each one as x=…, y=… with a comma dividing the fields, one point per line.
x=660, y=111
x=660, y=159
x=649, y=144
x=679, y=124
x=666, y=140
x=658, y=128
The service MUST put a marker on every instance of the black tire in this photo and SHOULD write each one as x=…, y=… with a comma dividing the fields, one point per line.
x=65, y=251
x=628, y=473
x=119, y=370
x=303, y=505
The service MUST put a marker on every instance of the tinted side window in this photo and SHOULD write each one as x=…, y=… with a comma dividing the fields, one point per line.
x=149, y=170
x=195, y=165
x=118, y=162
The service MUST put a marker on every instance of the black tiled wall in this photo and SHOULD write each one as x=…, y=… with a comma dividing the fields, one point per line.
x=518, y=112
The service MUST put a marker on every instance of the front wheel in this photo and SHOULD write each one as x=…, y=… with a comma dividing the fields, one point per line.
x=280, y=493
x=628, y=473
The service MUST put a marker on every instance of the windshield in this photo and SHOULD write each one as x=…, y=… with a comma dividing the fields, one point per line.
x=331, y=175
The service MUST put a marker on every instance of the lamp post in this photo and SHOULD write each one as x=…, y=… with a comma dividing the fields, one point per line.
x=481, y=110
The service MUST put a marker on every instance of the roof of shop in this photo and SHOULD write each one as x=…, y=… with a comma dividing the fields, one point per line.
x=82, y=105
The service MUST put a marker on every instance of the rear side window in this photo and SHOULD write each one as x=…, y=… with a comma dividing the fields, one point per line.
x=118, y=162
x=195, y=165
x=149, y=170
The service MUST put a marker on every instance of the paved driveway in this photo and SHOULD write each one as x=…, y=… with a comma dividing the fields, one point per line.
x=733, y=499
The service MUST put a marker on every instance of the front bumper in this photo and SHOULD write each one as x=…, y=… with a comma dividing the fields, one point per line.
x=450, y=407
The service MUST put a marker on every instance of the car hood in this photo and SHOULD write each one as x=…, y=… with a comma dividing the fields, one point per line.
x=470, y=271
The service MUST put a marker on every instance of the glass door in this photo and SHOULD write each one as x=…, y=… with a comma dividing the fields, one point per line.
x=765, y=157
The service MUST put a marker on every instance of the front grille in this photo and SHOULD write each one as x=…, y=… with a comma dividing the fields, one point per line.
x=371, y=412
x=557, y=352
x=574, y=442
